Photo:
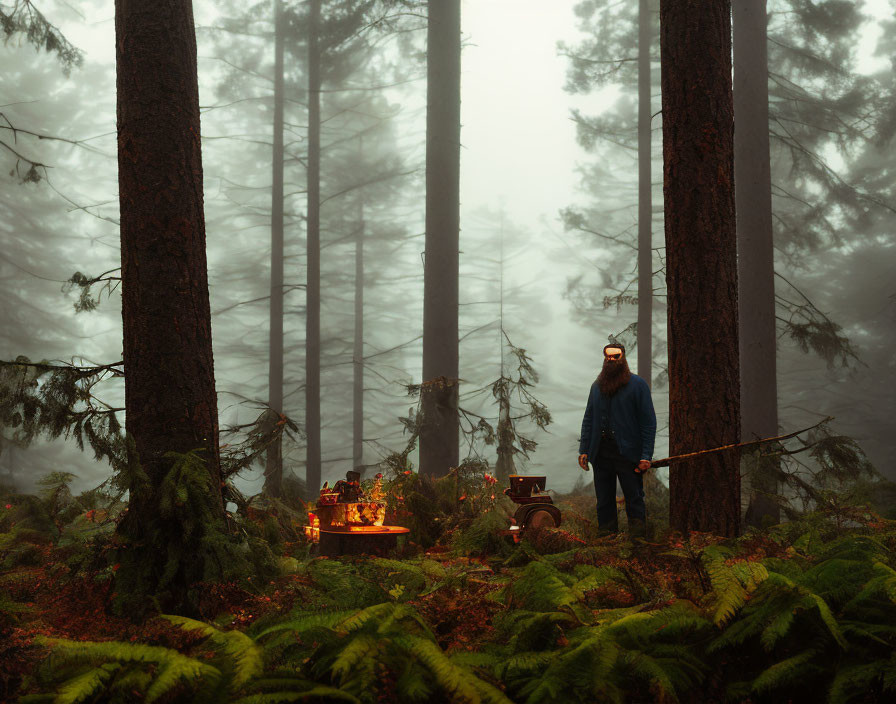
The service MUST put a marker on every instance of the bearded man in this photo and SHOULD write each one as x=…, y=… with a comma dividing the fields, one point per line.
x=618, y=433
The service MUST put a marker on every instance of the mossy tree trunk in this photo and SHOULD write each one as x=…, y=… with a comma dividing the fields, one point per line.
x=701, y=262
x=170, y=386
x=439, y=434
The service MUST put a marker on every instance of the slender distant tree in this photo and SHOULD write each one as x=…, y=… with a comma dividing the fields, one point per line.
x=170, y=387
x=312, y=319
x=701, y=266
x=439, y=442
x=273, y=475
x=358, y=342
x=755, y=252
x=645, y=199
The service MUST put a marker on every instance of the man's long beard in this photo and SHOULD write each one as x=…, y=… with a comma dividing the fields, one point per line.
x=614, y=375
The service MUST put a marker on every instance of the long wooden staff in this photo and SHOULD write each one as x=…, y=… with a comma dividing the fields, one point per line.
x=665, y=462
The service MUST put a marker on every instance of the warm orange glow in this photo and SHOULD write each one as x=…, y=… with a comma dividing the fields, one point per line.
x=363, y=513
x=376, y=530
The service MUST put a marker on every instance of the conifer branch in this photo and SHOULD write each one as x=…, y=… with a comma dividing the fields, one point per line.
x=666, y=461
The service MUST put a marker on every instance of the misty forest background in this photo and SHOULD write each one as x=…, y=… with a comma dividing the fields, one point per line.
x=385, y=294
x=569, y=279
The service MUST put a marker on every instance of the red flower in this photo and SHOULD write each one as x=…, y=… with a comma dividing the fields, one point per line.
x=116, y=566
x=8, y=505
x=407, y=471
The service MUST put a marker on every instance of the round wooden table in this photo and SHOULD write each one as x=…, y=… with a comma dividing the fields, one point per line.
x=359, y=540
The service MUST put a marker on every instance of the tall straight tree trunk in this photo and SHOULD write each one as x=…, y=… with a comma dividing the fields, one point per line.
x=701, y=262
x=273, y=475
x=358, y=352
x=755, y=251
x=439, y=442
x=645, y=213
x=645, y=205
x=312, y=325
x=170, y=385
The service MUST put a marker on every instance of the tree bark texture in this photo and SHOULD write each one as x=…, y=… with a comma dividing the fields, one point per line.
x=755, y=251
x=439, y=442
x=701, y=266
x=273, y=473
x=645, y=205
x=170, y=385
x=312, y=325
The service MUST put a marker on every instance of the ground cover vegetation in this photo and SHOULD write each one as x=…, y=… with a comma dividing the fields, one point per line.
x=460, y=613
x=236, y=606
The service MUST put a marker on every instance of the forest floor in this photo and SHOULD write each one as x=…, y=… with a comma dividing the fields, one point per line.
x=807, y=607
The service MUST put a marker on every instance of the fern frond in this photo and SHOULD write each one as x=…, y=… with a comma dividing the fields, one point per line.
x=412, y=685
x=539, y=587
x=173, y=667
x=525, y=662
x=358, y=619
x=476, y=658
x=784, y=672
x=453, y=679
x=888, y=579
x=653, y=672
x=246, y=656
x=805, y=599
x=183, y=669
x=856, y=680
x=360, y=647
x=320, y=691
x=86, y=685
x=593, y=578
x=306, y=621
x=731, y=584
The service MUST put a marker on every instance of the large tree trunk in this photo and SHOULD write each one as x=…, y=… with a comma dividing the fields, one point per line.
x=312, y=326
x=358, y=352
x=755, y=251
x=439, y=448
x=170, y=386
x=701, y=264
x=645, y=205
x=273, y=474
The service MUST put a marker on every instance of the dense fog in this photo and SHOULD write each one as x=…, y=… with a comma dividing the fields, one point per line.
x=548, y=223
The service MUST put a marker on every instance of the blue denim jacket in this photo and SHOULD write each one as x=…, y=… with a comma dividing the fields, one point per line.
x=632, y=420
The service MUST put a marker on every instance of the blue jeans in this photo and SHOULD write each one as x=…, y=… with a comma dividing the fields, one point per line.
x=609, y=466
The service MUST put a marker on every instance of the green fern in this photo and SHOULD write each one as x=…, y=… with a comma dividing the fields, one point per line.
x=455, y=681
x=732, y=584
x=171, y=667
x=787, y=671
x=82, y=686
x=241, y=655
x=317, y=692
x=854, y=683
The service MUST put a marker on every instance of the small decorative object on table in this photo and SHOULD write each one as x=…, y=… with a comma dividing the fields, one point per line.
x=344, y=521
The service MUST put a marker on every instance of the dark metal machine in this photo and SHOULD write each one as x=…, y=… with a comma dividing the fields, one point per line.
x=536, y=508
